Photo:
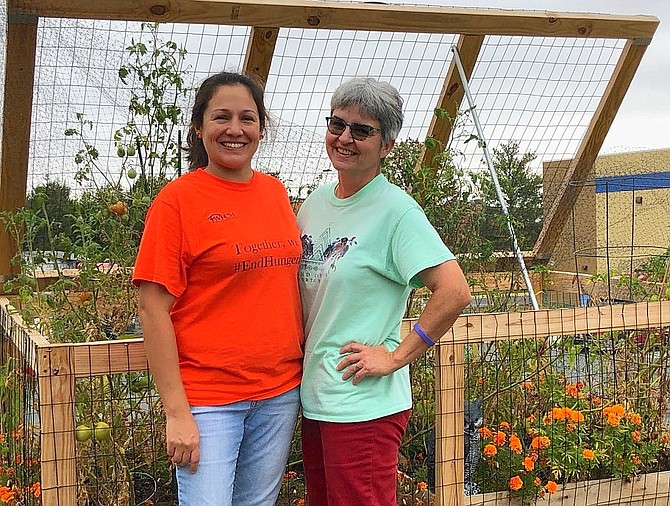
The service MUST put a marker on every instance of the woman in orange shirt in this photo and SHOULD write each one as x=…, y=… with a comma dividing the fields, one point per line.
x=219, y=306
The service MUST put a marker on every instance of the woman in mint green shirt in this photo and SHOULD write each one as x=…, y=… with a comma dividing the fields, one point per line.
x=366, y=244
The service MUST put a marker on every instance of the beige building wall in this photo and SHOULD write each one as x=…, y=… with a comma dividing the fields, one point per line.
x=632, y=225
x=626, y=227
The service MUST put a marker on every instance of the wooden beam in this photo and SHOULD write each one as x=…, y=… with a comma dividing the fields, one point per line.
x=600, y=124
x=452, y=92
x=57, y=429
x=556, y=322
x=261, y=48
x=349, y=16
x=552, y=322
x=449, y=423
x=28, y=341
x=108, y=357
x=18, y=103
x=651, y=489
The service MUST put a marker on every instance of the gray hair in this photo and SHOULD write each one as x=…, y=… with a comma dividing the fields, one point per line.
x=376, y=99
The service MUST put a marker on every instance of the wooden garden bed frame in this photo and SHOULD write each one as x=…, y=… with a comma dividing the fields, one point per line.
x=58, y=366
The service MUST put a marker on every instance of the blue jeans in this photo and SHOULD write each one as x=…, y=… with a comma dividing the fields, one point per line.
x=244, y=447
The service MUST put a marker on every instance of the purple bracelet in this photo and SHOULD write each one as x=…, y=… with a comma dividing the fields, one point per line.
x=423, y=335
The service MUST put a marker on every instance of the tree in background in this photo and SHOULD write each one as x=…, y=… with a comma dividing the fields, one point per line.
x=53, y=202
x=523, y=192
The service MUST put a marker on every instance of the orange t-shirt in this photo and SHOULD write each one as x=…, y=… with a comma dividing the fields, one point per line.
x=229, y=252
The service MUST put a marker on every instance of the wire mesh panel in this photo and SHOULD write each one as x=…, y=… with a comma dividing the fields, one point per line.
x=120, y=434
x=580, y=411
x=19, y=415
x=539, y=92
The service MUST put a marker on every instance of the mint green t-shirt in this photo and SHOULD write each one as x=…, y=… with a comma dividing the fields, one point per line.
x=361, y=257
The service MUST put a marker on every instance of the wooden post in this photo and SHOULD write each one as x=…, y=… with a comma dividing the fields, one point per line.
x=261, y=47
x=452, y=93
x=18, y=103
x=58, y=457
x=449, y=424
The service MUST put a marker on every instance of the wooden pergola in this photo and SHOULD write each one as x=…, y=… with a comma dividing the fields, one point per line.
x=266, y=17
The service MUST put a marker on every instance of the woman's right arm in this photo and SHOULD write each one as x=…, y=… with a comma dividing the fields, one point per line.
x=160, y=344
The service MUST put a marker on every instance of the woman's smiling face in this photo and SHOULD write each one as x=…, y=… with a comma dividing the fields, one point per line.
x=359, y=159
x=231, y=132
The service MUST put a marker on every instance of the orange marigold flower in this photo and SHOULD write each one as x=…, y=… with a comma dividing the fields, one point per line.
x=666, y=438
x=635, y=419
x=540, y=442
x=7, y=494
x=613, y=419
x=18, y=459
x=422, y=485
x=559, y=413
x=588, y=454
x=515, y=483
x=528, y=385
x=537, y=481
x=551, y=487
x=636, y=460
x=480, y=380
x=617, y=409
x=530, y=418
x=485, y=432
x=301, y=502
x=576, y=416
x=596, y=401
x=36, y=489
x=499, y=438
x=515, y=444
x=636, y=436
x=490, y=450
x=505, y=425
x=572, y=390
x=528, y=464
x=2, y=438
x=547, y=419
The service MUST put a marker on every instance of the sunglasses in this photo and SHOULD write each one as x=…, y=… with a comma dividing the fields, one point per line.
x=358, y=131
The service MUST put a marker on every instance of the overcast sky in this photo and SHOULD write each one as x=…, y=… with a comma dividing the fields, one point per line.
x=643, y=121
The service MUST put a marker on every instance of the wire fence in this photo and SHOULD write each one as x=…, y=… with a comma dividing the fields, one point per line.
x=520, y=404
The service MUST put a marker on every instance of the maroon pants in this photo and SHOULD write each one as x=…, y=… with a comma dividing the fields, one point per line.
x=352, y=463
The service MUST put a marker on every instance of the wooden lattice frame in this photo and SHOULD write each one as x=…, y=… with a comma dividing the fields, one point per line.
x=267, y=16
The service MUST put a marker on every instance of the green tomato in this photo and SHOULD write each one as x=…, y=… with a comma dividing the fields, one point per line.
x=120, y=152
x=102, y=432
x=130, y=150
x=83, y=433
x=132, y=173
x=653, y=298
